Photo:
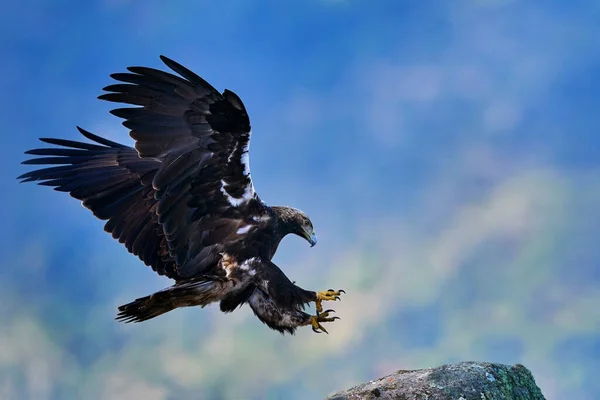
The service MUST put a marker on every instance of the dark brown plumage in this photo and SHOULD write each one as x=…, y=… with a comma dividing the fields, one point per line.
x=183, y=200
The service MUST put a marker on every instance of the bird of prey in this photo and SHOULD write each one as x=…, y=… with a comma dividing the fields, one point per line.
x=182, y=199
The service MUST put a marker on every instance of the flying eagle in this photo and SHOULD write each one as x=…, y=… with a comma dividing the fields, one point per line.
x=182, y=200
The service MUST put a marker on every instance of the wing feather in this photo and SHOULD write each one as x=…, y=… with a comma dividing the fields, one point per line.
x=200, y=138
x=115, y=184
x=184, y=193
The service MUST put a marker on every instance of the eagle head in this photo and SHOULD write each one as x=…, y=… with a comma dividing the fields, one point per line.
x=305, y=228
x=296, y=222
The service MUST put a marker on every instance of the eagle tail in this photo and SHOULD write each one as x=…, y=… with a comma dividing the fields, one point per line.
x=144, y=308
x=197, y=292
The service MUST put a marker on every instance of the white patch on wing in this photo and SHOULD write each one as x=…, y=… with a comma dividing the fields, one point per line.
x=248, y=194
x=246, y=156
x=229, y=264
x=245, y=161
x=232, y=152
x=261, y=218
x=243, y=229
x=246, y=264
x=247, y=267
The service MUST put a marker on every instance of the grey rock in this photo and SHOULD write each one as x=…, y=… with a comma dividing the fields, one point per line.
x=462, y=381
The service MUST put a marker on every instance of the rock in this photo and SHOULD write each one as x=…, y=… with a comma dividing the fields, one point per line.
x=462, y=381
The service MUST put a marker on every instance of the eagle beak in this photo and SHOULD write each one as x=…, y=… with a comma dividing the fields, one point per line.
x=313, y=239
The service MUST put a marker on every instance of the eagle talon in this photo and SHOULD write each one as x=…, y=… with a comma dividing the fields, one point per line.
x=316, y=320
x=329, y=295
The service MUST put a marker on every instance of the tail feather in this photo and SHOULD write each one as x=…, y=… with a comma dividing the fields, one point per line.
x=144, y=308
x=197, y=292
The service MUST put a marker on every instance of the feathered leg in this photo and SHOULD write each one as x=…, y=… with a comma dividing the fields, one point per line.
x=285, y=319
x=278, y=302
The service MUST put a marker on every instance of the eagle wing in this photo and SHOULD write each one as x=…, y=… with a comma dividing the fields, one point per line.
x=200, y=138
x=116, y=185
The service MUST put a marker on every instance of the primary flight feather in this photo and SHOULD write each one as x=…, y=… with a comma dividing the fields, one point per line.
x=183, y=200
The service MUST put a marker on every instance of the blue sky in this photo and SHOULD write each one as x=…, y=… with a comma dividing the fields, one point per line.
x=447, y=153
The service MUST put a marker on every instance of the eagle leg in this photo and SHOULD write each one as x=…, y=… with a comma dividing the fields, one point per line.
x=329, y=295
x=316, y=320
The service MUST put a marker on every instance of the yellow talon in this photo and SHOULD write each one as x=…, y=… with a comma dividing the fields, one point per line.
x=330, y=295
x=316, y=320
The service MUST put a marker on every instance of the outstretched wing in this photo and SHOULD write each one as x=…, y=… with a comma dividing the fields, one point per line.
x=201, y=139
x=115, y=184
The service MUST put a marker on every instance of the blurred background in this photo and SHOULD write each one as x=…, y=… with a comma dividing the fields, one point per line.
x=446, y=151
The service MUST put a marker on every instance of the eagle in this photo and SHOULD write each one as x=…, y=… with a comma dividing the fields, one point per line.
x=182, y=199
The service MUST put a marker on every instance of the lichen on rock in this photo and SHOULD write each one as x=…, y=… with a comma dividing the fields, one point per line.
x=462, y=381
